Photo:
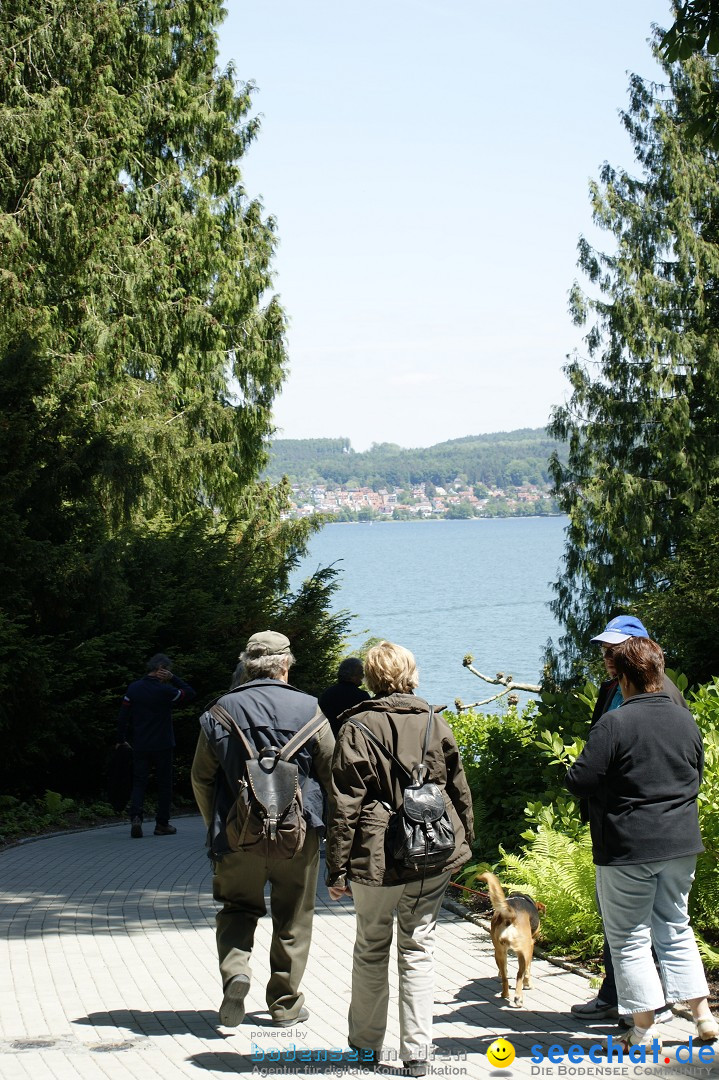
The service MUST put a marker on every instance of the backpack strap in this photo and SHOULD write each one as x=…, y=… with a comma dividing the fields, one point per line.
x=298, y=740
x=291, y=747
x=228, y=722
x=378, y=742
x=423, y=769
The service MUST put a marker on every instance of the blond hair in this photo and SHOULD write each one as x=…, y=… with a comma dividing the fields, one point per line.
x=390, y=669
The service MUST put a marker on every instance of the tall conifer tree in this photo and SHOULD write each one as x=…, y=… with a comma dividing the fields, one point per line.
x=134, y=266
x=642, y=421
x=140, y=353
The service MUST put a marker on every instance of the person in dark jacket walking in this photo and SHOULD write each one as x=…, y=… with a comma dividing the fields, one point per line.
x=145, y=723
x=345, y=693
x=365, y=789
x=641, y=769
x=624, y=627
x=269, y=711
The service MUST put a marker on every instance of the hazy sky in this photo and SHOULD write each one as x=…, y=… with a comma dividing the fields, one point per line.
x=427, y=162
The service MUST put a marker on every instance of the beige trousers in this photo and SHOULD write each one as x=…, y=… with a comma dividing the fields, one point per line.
x=239, y=885
x=375, y=907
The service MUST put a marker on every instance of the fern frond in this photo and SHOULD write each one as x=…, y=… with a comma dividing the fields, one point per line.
x=709, y=955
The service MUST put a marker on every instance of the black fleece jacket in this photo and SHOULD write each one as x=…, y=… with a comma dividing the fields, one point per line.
x=641, y=769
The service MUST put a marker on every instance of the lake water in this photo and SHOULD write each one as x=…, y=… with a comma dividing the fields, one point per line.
x=447, y=588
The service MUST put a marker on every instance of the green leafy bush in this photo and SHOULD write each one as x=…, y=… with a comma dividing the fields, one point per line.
x=515, y=765
x=567, y=713
x=704, y=899
x=47, y=813
x=504, y=770
x=55, y=805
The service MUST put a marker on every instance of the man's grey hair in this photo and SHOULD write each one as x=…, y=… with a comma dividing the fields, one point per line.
x=159, y=660
x=239, y=676
x=261, y=665
x=350, y=668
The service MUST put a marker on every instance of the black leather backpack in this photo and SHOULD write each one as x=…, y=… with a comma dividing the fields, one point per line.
x=420, y=835
x=266, y=817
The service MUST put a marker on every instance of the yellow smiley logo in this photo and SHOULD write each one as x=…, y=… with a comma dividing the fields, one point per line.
x=500, y=1053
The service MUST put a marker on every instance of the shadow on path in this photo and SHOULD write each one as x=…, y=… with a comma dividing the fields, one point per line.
x=203, y=1023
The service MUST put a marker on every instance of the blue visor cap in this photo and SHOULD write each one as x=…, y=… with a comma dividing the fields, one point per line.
x=619, y=629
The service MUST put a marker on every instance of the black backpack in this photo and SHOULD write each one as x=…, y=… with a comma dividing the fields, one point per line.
x=420, y=834
x=266, y=818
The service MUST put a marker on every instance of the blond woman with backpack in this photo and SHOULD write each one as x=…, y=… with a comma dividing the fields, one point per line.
x=394, y=755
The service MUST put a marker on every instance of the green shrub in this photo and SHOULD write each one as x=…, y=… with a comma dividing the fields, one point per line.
x=567, y=714
x=50, y=812
x=55, y=805
x=504, y=770
x=515, y=765
x=704, y=899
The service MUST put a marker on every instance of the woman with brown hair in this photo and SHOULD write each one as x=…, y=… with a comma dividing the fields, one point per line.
x=366, y=787
x=641, y=769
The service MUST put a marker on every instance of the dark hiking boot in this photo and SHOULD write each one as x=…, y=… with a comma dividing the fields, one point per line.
x=136, y=828
x=165, y=830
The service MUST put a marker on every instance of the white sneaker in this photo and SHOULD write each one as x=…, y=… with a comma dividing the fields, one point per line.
x=633, y=1038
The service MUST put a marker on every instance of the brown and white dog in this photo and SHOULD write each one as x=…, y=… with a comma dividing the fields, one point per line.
x=515, y=925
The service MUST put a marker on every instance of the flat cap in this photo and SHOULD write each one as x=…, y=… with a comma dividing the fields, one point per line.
x=268, y=643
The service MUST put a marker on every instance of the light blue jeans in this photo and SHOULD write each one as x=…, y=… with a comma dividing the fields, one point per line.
x=644, y=904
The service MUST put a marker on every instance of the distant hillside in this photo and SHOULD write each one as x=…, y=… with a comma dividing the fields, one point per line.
x=502, y=459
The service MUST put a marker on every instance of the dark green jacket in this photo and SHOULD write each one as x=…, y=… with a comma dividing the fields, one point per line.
x=366, y=784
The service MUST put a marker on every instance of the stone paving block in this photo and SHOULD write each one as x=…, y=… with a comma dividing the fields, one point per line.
x=109, y=948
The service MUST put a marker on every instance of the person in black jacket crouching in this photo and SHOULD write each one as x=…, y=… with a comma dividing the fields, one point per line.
x=640, y=770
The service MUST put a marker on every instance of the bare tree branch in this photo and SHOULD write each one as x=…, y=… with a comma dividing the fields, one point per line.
x=500, y=679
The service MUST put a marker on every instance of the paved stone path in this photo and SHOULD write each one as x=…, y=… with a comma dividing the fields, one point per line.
x=108, y=972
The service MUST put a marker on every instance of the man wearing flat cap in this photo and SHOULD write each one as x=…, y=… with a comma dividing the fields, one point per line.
x=269, y=712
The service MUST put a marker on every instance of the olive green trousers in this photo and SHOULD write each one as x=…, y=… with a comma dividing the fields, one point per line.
x=239, y=885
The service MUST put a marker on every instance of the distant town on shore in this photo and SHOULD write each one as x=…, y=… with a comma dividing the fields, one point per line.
x=504, y=474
